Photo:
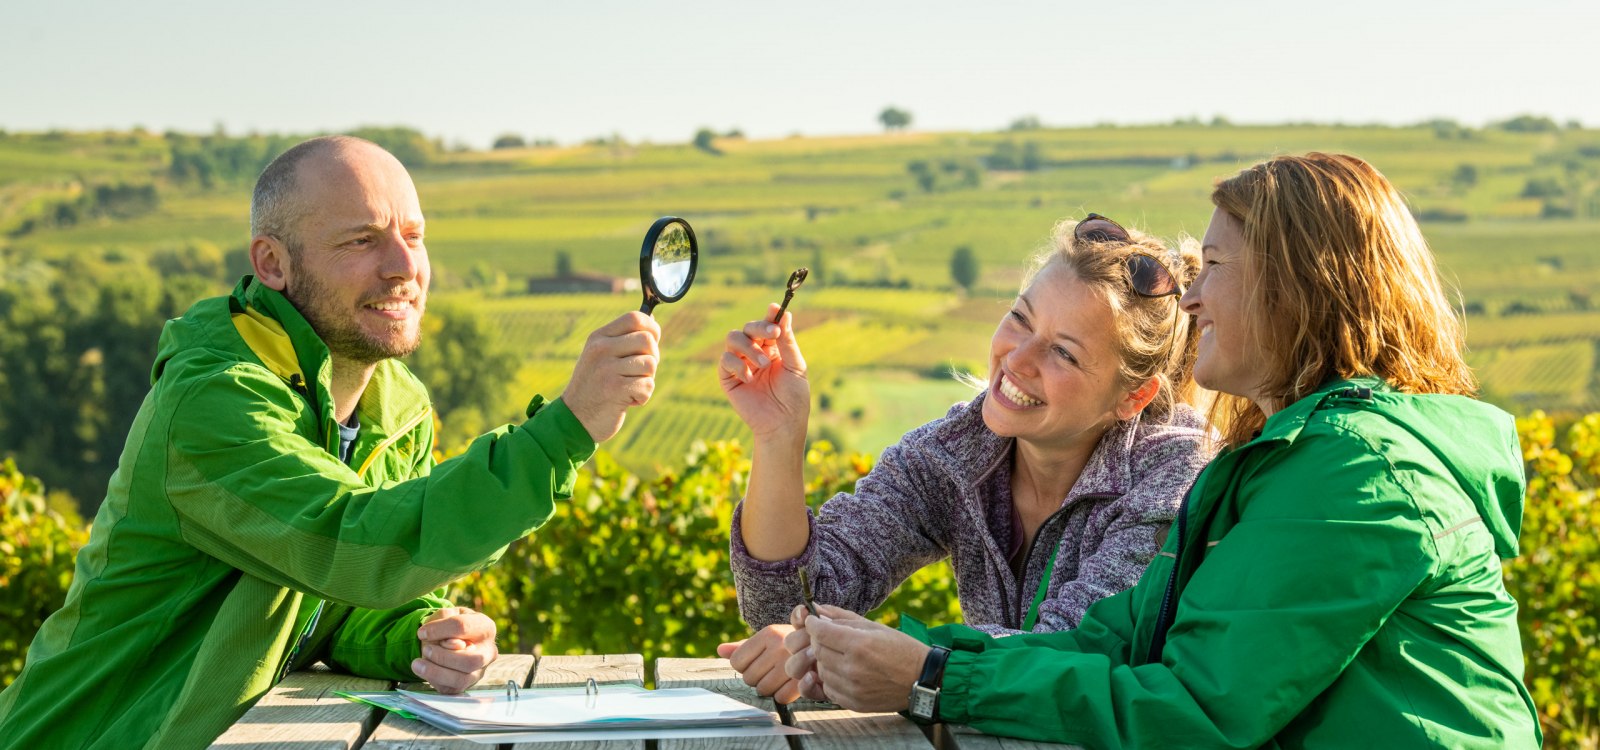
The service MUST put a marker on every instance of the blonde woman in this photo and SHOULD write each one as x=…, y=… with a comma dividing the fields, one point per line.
x=1334, y=578
x=1050, y=490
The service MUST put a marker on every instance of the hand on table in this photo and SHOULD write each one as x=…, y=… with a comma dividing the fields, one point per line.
x=842, y=657
x=457, y=645
x=759, y=659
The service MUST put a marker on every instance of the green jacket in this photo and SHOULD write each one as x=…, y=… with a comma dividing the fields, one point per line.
x=1335, y=582
x=233, y=544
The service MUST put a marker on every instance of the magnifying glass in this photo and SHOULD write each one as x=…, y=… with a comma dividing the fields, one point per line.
x=667, y=261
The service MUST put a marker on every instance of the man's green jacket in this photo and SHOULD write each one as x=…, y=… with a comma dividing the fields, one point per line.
x=1335, y=583
x=233, y=544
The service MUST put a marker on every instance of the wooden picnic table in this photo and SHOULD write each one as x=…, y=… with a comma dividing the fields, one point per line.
x=302, y=713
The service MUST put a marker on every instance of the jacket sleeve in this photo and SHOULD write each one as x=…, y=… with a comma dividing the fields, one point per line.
x=382, y=643
x=862, y=545
x=1327, y=546
x=1106, y=628
x=250, y=490
x=1130, y=531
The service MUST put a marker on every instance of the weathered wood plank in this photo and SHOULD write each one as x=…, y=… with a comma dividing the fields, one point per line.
x=964, y=737
x=575, y=671
x=717, y=676
x=570, y=671
x=837, y=728
x=396, y=733
x=303, y=713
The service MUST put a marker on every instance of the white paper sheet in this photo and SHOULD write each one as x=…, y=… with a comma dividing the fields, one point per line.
x=591, y=735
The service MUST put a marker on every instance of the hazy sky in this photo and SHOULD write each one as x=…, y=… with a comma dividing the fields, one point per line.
x=468, y=71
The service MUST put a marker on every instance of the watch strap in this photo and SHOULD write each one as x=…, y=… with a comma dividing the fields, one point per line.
x=933, y=668
x=924, y=699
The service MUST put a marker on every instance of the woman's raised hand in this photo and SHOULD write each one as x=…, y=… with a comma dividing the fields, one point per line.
x=764, y=376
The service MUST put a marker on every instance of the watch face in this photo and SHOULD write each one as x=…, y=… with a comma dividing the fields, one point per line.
x=922, y=701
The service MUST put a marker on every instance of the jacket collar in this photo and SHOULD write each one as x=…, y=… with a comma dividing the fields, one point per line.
x=1286, y=425
x=275, y=331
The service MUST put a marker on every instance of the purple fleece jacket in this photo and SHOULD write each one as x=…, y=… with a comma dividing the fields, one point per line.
x=945, y=491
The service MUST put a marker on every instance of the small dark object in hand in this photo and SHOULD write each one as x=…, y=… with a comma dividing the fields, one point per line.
x=805, y=585
x=795, y=280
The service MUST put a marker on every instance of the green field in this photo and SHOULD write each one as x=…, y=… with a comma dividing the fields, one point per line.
x=880, y=317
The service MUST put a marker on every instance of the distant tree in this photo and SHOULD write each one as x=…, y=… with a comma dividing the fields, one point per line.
x=923, y=171
x=509, y=140
x=733, y=133
x=1528, y=124
x=1446, y=129
x=1029, y=122
x=409, y=145
x=124, y=201
x=1441, y=214
x=1519, y=307
x=894, y=118
x=1219, y=121
x=964, y=267
x=705, y=140
x=563, y=264
x=77, y=337
x=1543, y=187
x=491, y=280
x=1465, y=176
x=466, y=369
x=1553, y=210
x=1031, y=160
x=1005, y=156
x=194, y=258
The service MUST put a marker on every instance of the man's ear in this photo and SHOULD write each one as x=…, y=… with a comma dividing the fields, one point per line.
x=1138, y=398
x=269, y=257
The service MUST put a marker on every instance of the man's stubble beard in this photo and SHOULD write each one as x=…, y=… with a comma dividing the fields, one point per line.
x=340, y=332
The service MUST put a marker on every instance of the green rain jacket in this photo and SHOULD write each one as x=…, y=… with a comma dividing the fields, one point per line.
x=234, y=545
x=1335, y=582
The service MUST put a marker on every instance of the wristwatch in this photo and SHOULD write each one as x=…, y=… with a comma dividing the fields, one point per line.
x=924, y=707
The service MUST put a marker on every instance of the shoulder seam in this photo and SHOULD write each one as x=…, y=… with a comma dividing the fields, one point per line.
x=1394, y=479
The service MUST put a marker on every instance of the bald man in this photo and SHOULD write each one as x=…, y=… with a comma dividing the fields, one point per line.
x=277, y=501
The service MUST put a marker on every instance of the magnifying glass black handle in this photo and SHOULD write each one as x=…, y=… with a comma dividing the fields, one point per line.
x=649, y=306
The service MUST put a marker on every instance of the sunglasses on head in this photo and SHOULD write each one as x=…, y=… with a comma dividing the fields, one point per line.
x=1149, y=277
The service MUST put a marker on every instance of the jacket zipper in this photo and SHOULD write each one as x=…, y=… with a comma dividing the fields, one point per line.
x=404, y=430
x=1158, y=639
x=1027, y=558
x=316, y=615
x=305, y=636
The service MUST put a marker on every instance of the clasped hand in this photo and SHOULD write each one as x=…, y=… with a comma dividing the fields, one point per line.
x=838, y=656
x=457, y=646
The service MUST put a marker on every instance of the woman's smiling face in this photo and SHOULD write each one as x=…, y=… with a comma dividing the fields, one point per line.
x=1228, y=360
x=1053, y=365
